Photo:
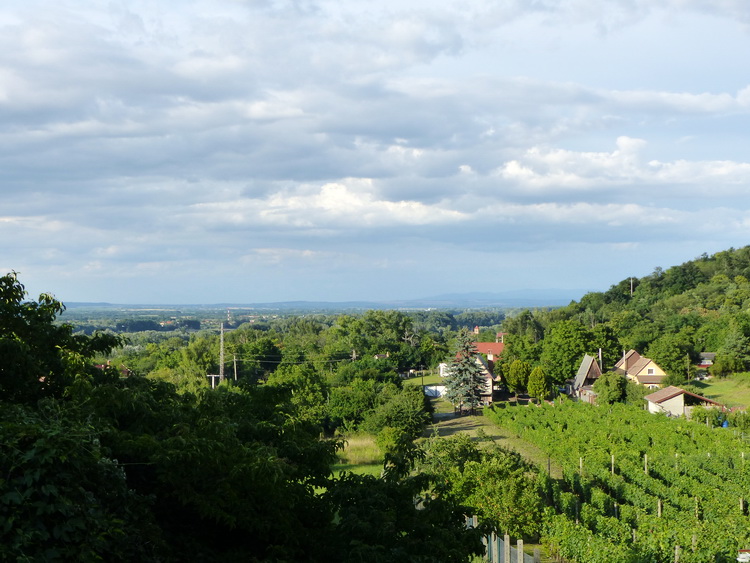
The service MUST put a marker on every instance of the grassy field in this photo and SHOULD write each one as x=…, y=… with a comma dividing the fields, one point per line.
x=733, y=391
x=360, y=455
x=429, y=379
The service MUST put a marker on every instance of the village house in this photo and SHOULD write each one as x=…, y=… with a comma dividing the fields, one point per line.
x=674, y=401
x=640, y=370
x=488, y=354
x=583, y=383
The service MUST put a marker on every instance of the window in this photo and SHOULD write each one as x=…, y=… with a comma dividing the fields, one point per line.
x=651, y=371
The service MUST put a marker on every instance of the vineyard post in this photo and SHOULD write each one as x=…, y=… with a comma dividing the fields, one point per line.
x=645, y=463
x=697, y=512
x=613, y=464
x=519, y=551
x=580, y=464
x=676, y=554
x=658, y=507
x=695, y=542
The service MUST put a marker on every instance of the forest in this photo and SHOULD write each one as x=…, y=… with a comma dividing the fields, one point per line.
x=116, y=447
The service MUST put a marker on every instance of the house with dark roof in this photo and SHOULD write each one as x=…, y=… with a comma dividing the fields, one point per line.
x=583, y=383
x=675, y=401
x=640, y=370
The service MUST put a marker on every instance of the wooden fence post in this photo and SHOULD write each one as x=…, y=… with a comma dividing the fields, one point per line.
x=495, y=548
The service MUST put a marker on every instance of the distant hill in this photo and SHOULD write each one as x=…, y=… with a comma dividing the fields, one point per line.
x=532, y=298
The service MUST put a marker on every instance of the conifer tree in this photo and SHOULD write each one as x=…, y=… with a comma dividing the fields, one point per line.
x=466, y=379
x=539, y=385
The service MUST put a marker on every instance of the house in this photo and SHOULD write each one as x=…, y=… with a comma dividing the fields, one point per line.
x=674, y=401
x=707, y=359
x=492, y=350
x=588, y=372
x=488, y=353
x=640, y=370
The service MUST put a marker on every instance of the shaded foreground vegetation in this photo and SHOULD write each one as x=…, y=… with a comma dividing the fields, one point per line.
x=115, y=447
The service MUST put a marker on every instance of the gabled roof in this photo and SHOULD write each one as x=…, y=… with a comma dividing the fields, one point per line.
x=627, y=361
x=494, y=348
x=589, y=369
x=671, y=392
x=639, y=366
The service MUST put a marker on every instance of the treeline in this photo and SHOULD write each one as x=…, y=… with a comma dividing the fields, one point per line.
x=156, y=466
x=670, y=316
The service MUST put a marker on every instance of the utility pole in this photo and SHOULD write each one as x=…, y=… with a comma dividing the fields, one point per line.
x=220, y=376
x=221, y=354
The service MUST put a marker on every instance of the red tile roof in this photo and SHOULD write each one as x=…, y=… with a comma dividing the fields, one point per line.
x=494, y=348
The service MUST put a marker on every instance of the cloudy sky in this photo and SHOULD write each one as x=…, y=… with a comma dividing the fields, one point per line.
x=179, y=151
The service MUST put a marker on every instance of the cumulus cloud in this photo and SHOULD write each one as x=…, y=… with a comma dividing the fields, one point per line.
x=155, y=141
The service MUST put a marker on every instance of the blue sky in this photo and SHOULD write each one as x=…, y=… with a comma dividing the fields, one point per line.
x=250, y=150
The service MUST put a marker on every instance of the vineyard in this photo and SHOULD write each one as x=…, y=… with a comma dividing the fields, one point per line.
x=638, y=487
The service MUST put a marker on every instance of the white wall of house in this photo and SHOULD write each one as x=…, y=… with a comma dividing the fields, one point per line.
x=674, y=406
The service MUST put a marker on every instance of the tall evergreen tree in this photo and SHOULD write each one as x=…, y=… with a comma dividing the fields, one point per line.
x=539, y=385
x=466, y=380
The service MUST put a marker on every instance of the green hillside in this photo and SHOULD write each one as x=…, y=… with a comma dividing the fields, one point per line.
x=671, y=316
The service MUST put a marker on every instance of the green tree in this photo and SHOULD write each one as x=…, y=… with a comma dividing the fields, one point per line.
x=40, y=358
x=517, y=376
x=539, y=385
x=466, y=380
x=610, y=387
x=564, y=346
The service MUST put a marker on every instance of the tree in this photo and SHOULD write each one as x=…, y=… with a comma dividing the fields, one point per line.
x=39, y=357
x=563, y=349
x=466, y=379
x=610, y=388
x=517, y=376
x=672, y=353
x=539, y=385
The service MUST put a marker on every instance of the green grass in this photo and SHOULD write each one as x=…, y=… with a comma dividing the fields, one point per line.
x=429, y=379
x=732, y=391
x=360, y=455
x=482, y=430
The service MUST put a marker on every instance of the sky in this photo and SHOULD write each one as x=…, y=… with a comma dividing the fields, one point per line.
x=246, y=151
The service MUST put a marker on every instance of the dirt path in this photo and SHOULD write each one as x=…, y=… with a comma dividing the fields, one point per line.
x=480, y=428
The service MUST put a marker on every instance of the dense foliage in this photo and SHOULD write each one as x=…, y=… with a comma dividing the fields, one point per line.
x=99, y=463
x=670, y=316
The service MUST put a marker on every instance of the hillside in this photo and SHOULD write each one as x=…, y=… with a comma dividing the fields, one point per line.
x=671, y=315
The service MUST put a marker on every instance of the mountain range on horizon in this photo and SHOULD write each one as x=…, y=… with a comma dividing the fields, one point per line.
x=504, y=299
